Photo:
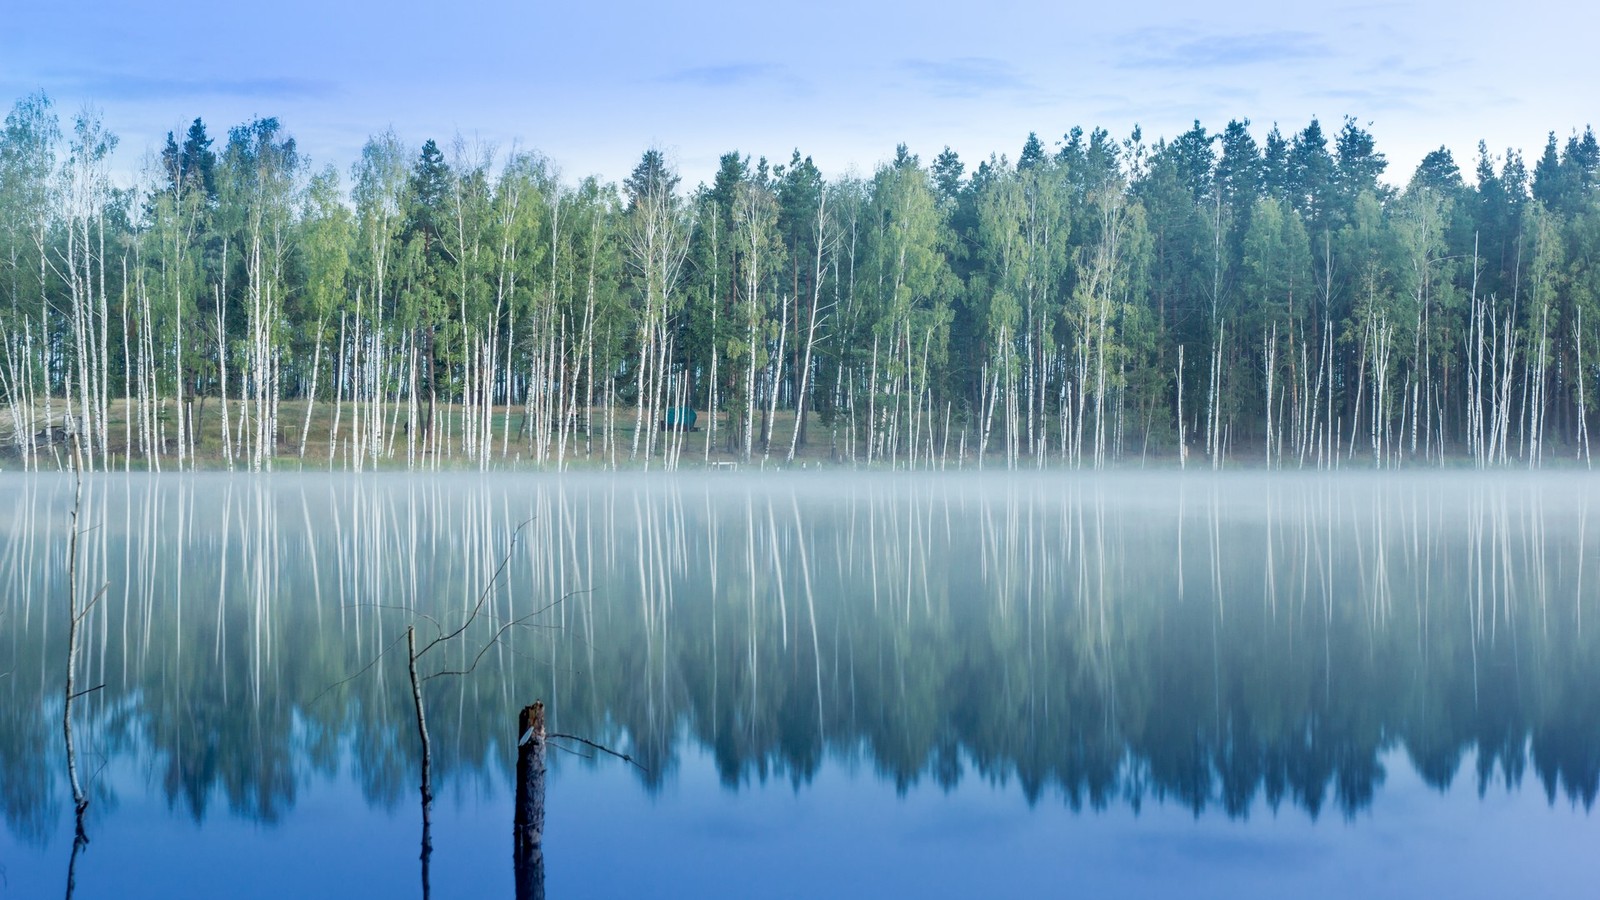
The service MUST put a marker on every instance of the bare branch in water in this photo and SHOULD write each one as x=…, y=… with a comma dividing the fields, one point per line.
x=588, y=743
x=483, y=597
x=396, y=608
x=579, y=754
x=440, y=635
x=546, y=608
x=360, y=672
x=481, y=651
x=500, y=632
x=93, y=600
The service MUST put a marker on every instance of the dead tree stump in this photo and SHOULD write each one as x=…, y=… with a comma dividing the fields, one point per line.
x=528, y=829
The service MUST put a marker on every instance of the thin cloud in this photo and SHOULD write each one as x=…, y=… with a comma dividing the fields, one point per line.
x=1190, y=49
x=1395, y=66
x=125, y=86
x=1232, y=92
x=1379, y=98
x=965, y=76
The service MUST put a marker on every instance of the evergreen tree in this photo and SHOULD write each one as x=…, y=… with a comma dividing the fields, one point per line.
x=193, y=164
x=1549, y=185
x=1032, y=153
x=652, y=177
x=947, y=170
x=1357, y=165
x=1312, y=175
x=1276, y=175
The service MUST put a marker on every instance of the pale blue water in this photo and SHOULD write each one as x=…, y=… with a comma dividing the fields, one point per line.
x=1234, y=687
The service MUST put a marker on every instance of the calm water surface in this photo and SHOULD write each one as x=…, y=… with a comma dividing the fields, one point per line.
x=1230, y=686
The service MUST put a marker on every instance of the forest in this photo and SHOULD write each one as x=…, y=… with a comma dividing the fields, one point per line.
x=1206, y=300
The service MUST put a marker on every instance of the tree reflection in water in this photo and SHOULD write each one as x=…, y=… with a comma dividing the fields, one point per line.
x=1227, y=644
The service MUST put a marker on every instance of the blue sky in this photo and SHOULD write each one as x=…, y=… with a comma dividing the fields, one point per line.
x=593, y=86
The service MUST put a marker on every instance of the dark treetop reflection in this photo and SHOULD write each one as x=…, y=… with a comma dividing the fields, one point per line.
x=1222, y=643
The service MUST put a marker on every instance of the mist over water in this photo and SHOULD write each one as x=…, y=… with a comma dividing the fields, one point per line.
x=1271, y=653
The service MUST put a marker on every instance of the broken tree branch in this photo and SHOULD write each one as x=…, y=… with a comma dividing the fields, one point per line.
x=601, y=747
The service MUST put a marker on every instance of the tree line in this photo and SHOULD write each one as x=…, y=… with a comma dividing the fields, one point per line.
x=1098, y=301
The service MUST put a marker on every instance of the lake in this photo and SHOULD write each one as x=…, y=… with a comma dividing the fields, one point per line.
x=1178, y=684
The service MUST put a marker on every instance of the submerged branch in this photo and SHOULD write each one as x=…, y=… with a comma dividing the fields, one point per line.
x=482, y=597
x=578, y=753
x=500, y=632
x=360, y=672
x=588, y=743
x=93, y=600
x=385, y=606
x=481, y=652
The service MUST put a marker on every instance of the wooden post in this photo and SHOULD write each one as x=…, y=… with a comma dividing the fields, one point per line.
x=528, y=830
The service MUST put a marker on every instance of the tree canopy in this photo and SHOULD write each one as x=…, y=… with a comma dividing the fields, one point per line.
x=1097, y=300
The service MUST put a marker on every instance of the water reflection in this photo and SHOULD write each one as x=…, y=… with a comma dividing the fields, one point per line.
x=1228, y=645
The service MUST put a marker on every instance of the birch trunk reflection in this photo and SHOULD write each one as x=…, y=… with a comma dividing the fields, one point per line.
x=1226, y=644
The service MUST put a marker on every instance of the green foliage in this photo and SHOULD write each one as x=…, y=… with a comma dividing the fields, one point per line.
x=28, y=149
x=325, y=242
x=1079, y=273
